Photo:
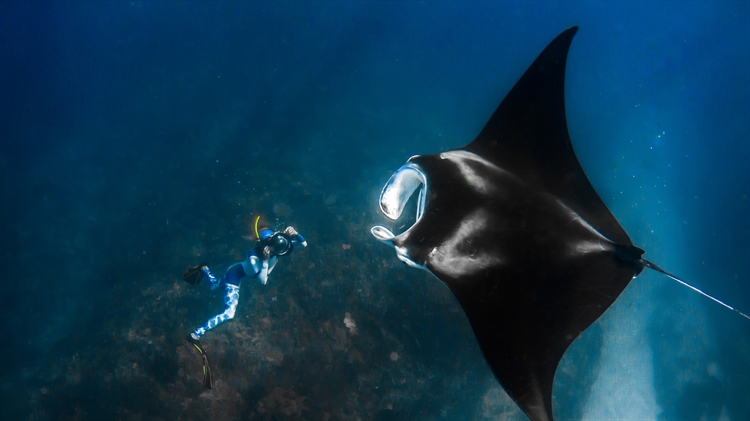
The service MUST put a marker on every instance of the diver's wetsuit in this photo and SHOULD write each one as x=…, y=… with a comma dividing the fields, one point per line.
x=255, y=266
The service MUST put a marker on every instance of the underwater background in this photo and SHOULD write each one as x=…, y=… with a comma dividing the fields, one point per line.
x=140, y=138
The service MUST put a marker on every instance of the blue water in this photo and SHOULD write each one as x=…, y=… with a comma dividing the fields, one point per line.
x=138, y=138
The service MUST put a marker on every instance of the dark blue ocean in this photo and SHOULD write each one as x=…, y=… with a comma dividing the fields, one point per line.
x=140, y=138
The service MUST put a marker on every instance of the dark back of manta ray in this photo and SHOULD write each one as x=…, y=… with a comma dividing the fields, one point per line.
x=526, y=314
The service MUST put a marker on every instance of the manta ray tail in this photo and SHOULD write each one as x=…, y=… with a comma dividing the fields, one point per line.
x=653, y=266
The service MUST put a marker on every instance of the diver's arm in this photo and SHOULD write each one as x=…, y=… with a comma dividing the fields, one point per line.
x=297, y=239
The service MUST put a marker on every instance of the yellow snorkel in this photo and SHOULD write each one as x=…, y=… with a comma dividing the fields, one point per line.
x=257, y=235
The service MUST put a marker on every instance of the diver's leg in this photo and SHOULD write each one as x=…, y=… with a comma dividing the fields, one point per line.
x=234, y=275
x=231, y=299
x=213, y=280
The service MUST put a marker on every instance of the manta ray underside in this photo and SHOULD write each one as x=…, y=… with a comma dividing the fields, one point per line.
x=512, y=225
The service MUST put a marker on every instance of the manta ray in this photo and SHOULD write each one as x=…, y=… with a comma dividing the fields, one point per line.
x=512, y=225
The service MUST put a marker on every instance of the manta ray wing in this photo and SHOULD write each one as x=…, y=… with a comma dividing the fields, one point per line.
x=528, y=136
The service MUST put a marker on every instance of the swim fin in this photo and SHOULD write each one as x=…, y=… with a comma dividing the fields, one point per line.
x=194, y=275
x=208, y=377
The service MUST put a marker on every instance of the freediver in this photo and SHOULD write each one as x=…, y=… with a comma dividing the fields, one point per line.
x=260, y=262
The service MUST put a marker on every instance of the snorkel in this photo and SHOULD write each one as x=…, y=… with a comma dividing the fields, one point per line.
x=264, y=233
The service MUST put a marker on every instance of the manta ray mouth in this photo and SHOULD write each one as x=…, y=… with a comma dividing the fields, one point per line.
x=399, y=188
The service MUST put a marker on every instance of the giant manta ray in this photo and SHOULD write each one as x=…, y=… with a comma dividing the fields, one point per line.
x=512, y=225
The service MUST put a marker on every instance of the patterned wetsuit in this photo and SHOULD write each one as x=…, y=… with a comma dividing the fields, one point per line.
x=255, y=266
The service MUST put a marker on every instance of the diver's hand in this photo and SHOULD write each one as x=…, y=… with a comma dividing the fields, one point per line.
x=290, y=231
x=267, y=252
